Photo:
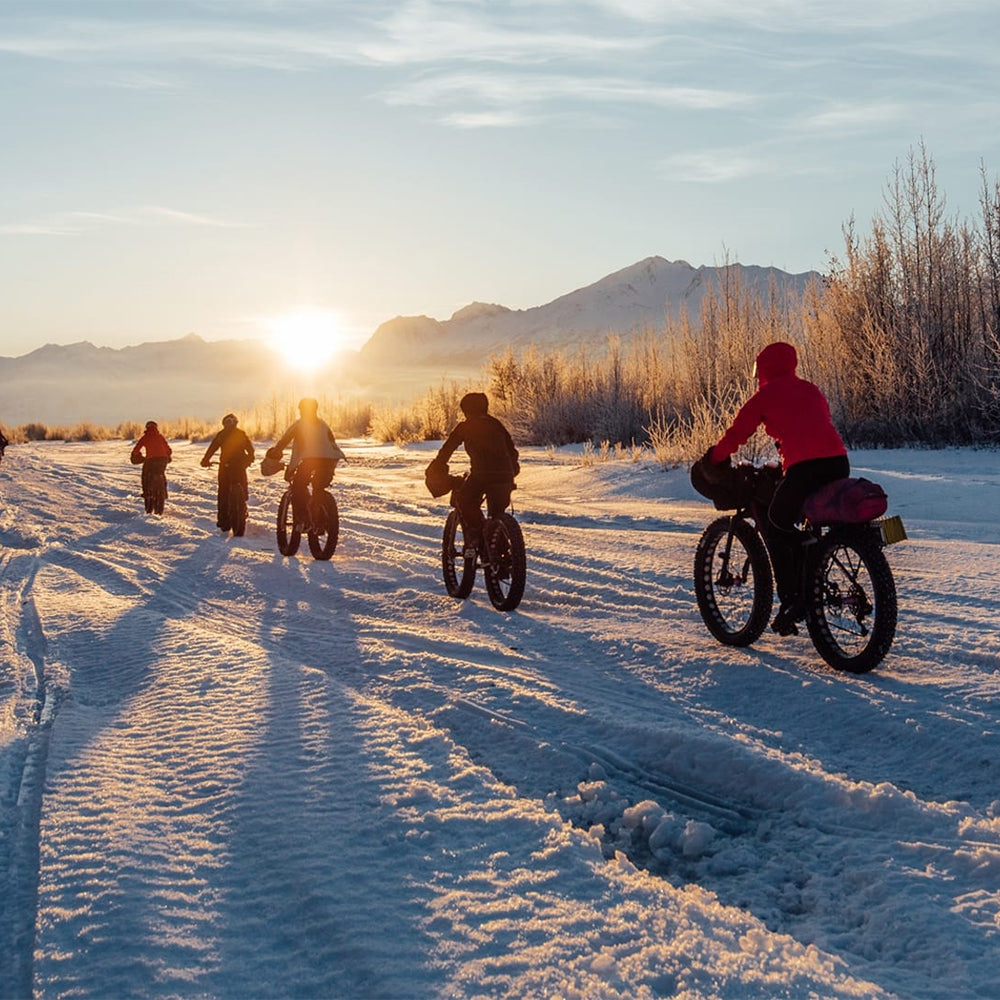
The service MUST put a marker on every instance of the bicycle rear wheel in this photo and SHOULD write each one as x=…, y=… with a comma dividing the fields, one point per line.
x=459, y=573
x=237, y=510
x=733, y=583
x=506, y=568
x=325, y=528
x=288, y=535
x=159, y=493
x=851, y=605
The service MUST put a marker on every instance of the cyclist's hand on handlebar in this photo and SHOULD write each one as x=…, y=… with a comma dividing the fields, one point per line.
x=205, y=463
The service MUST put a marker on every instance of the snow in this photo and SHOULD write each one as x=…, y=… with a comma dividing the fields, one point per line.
x=226, y=773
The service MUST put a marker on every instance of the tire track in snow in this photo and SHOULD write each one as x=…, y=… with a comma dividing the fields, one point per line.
x=31, y=708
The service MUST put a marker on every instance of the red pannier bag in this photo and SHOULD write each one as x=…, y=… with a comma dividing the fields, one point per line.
x=848, y=501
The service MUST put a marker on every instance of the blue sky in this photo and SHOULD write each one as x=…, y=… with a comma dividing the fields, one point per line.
x=211, y=166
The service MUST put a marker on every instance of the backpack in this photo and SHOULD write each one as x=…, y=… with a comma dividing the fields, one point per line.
x=848, y=501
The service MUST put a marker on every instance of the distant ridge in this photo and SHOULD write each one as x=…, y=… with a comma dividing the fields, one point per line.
x=635, y=298
x=191, y=377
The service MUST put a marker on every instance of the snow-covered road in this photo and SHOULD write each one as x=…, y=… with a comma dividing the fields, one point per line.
x=225, y=773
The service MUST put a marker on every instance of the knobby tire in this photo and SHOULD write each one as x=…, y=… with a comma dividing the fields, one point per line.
x=735, y=593
x=851, y=607
x=459, y=573
x=325, y=529
x=237, y=510
x=288, y=535
x=506, y=569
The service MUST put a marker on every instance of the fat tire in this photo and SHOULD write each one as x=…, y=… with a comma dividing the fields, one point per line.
x=237, y=510
x=757, y=594
x=506, y=570
x=459, y=573
x=159, y=494
x=851, y=557
x=322, y=544
x=288, y=535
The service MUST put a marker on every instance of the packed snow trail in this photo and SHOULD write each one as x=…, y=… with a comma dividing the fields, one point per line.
x=226, y=773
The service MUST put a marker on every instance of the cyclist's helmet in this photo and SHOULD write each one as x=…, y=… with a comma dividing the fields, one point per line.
x=229, y=420
x=151, y=425
x=776, y=359
x=308, y=406
x=474, y=404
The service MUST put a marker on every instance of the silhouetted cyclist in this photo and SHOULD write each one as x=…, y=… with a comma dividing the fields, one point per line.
x=315, y=454
x=796, y=415
x=235, y=454
x=152, y=452
x=493, y=459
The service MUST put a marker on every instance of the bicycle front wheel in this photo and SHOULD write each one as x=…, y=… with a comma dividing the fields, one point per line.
x=325, y=528
x=288, y=535
x=506, y=569
x=733, y=583
x=459, y=573
x=851, y=604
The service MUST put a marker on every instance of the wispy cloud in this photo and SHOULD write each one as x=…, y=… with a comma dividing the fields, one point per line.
x=781, y=15
x=714, y=166
x=421, y=32
x=233, y=43
x=514, y=98
x=846, y=118
x=77, y=223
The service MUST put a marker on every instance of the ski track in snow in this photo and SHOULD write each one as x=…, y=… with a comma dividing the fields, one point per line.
x=226, y=773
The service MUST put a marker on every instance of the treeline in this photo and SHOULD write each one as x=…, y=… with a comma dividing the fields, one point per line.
x=263, y=422
x=903, y=335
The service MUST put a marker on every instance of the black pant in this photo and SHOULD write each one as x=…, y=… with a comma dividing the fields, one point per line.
x=319, y=472
x=784, y=542
x=470, y=502
x=151, y=468
x=229, y=473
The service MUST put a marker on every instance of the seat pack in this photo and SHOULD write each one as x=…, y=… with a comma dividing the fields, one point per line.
x=846, y=501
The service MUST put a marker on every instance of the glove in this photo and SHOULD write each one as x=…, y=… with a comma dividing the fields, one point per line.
x=205, y=463
x=273, y=453
x=714, y=472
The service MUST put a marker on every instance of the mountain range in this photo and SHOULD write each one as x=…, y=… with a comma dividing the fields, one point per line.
x=192, y=377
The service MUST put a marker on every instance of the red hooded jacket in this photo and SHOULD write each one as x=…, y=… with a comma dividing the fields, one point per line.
x=793, y=411
x=153, y=443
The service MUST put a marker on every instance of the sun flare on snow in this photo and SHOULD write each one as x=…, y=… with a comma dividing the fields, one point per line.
x=307, y=339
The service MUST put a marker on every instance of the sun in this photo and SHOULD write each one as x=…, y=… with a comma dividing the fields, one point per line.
x=308, y=339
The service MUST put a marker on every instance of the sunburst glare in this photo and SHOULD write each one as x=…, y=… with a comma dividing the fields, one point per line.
x=307, y=339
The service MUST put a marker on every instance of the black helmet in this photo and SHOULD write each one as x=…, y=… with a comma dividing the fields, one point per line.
x=229, y=420
x=474, y=404
x=151, y=425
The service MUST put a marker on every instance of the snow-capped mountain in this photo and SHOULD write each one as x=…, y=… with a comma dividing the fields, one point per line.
x=191, y=377
x=188, y=377
x=636, y=298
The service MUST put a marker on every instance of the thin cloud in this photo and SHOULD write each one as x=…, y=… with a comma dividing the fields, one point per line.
x=424, y=32
x=503, y=94
x=77, y=223
x=844, y=118
x=782, y=15
x=166, y=42
x=157, y=212
x=714, y=166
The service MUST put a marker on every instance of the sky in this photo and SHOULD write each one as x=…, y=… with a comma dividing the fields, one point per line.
x=228, y=167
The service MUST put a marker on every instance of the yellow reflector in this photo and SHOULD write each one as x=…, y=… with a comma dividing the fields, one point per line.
x=892, y=529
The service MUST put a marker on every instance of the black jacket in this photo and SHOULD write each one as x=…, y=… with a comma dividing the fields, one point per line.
x=232, y=444
x=490, y=448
